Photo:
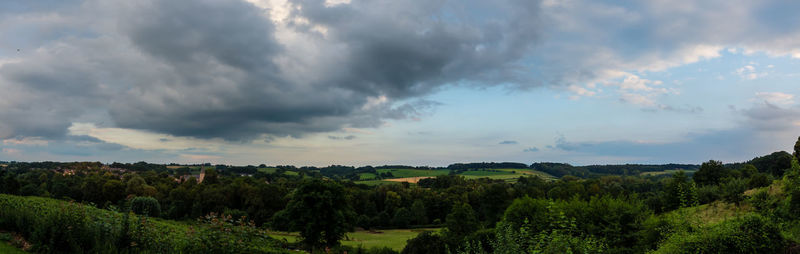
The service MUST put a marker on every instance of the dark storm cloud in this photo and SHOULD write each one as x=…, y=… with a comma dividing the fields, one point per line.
x=225, y=69
x=408, y=48
x=217, y=69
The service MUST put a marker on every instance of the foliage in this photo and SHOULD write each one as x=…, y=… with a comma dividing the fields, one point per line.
x=748, y=234
x=775, y=163
x=733, y=190
x=224, y=234
x=320, y=212
x=146, y=206
x=66, y=227
x=710, y=173
x=560, y=237
x=460, y=223
x=680, y=192
x=425, y=243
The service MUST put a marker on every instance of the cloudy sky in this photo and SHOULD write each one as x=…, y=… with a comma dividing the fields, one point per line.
x=420, y=82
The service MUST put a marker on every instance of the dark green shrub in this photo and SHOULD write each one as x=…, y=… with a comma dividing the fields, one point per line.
x=708, y=194
x=402, y=218
x=794, y=202
x=733, y=190
x=66, y=230
x=482, y=239
x=361, y=250
x=146, y=206
x=425, y=243
x=747, y=234
x=758, y=180
x=224, y=234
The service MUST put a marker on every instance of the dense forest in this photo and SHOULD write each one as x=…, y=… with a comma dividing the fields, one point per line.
x=749, y=207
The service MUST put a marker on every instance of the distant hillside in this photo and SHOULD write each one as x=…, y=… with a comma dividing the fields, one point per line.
x=562, y=169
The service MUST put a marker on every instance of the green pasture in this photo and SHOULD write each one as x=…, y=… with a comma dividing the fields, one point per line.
x=665, y=172
x=507, y=174
x=8, y=249
x=367, y=176
x=392, y=238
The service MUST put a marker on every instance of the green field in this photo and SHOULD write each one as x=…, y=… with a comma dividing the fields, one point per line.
x=6, y=248
x=665, y=172
x=392, y=238
x=507, y=174
x=367, y=176
x=401, y=173
x=272, y=170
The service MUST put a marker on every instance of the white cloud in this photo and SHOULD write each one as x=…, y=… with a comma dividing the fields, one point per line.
x=776, y=98
x=139, y=139
x=579, y=91
x=645, y=100
x=30, y=141
x=749, y=72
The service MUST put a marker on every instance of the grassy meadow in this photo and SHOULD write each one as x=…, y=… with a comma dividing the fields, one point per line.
x=392, y=238
x=414, y=175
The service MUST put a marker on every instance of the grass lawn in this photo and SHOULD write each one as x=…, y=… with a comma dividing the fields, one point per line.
x=366, y=176
x=507, y=174
x=375, y=182
x=392, y=238
x=665, y=172
x=485, y=173
x=6, y=248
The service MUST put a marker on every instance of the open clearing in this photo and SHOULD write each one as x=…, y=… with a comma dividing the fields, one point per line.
x=670, y=172
x=8, y=249
x=408, y=179
x=414, y=175
x=392, y=238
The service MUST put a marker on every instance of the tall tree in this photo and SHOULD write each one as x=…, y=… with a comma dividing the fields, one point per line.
x=710, y=173
x=418, y=213
x=460, y=223
x=797, y=149
x=320, y=211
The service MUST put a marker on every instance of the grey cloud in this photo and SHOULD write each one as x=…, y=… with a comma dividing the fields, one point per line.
x=348, y=137
x=729, y=145
x=167, y=67
x=508, y=142
x=220, y=69
x=771, y=118
x=531, y=149
x=591, y=41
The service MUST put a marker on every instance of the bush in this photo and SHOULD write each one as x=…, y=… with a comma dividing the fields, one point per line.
x=224, y=234
x=747, y=234
x=55, y=226
x=556, y=240
x=758, y=180
x=733, y=190
x=146, y=206
x=425, y=243
x=709, y=193
x=482, y=239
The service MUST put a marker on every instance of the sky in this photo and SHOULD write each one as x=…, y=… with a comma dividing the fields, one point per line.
x=417, y=82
